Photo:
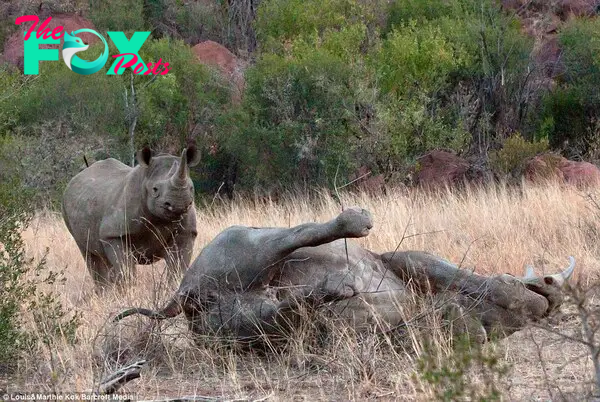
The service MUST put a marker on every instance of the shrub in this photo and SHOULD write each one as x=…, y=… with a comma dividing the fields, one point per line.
x=118, y=15
x=464, y=49
x=184, y=103
x=418, y=58
x=23, y=284
x=302, y=121
x=189, y=21
x=13, y=266
x=283, y=21
x=514, y=153
x=569, y=113
x=91, y=101
x=449, y=375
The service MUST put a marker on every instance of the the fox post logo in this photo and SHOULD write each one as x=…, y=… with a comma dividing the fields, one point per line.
x=128, y=56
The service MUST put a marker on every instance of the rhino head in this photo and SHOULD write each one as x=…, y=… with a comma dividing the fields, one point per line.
x=167, y=190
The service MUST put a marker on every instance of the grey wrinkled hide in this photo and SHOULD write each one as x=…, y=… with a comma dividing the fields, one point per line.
x=120, y=216
x=248, y=281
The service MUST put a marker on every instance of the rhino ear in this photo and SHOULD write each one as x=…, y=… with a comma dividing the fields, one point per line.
x=144, y=155
x=192, y=155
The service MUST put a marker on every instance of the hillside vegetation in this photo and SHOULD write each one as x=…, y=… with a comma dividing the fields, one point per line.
x=331, y=87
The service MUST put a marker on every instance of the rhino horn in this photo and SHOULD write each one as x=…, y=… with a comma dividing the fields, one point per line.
x=179, y=179
x=529, y=272
x=563, y=277
x=557, y=279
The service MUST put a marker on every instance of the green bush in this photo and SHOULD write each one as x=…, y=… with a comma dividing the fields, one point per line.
x=283, y=21
x=457, y=53
x=24, y=284
x=59, y=116
x=418, y=58
x=403, y=11
x=449, y=374
x=93, y=102
x=118, y=15
x=301, y=121
x=514, y=153
x=570, y=112
x=190, y=21
x=182, y=104
x=13, y=267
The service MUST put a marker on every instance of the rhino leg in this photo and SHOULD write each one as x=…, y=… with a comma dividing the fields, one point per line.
x=178, y=259
x=253, y=253
x=122, y=263
x=272, y=245
x=250, y=318
x=99, y=269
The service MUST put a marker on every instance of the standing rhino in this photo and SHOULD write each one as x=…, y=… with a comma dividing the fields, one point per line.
x=120, y=216
x=248, y=282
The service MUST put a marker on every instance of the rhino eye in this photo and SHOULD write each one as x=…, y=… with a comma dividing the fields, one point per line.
x=155, y=191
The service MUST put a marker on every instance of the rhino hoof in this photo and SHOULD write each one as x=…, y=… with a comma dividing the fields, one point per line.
x=355, y=222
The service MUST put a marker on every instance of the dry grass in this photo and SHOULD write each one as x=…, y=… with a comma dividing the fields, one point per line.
x=494, y=230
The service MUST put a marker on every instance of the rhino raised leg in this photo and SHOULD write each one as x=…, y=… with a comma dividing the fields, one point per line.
x=245, y=258
x=275, y=244
x=240, y=263
x=252, y=314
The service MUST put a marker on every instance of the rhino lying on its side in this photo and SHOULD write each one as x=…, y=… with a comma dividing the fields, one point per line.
x=228, y=289
x=120, y=216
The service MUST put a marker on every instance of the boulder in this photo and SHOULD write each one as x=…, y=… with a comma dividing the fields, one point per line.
x=215, y=55
x=544, y=167
x=366, y=182
x=581, y=174
x=13, y=47
x=555, y=167
x=440, y=168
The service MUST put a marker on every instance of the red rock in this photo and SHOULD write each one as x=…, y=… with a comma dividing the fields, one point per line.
x=13, y=47
x=555, y=167
x=440, y=168
x=366, y=182
x=544, y=167
x=215, y=55
x=576, y=8
x=580, y=174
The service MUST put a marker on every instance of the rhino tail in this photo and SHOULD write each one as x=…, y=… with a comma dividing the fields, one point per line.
x=172, y=309
x=86, y=161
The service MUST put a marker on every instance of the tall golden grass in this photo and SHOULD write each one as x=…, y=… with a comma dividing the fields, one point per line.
x=496, y=230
